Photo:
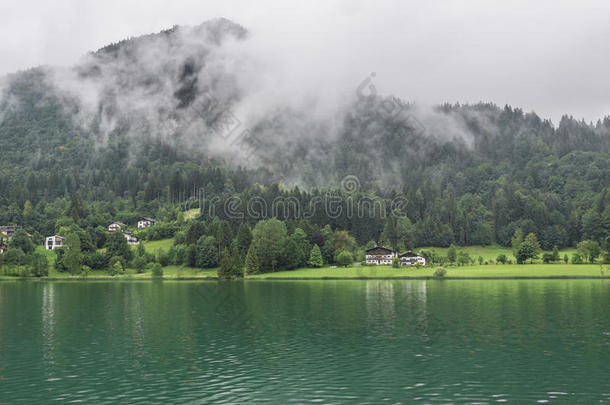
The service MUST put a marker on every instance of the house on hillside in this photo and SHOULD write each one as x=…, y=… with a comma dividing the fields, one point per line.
x=146, y=222
x=411, y=259
x=116, y=226
x=131, y=239
x=54, y=242
x=380, y=255
x=9, y=230
x=3, y=247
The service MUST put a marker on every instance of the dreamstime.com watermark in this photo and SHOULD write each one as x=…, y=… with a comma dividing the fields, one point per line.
x=387, y=108
x=345, y=204
x=207, y=115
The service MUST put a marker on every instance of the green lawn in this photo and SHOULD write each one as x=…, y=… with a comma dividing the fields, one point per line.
x=191, y=214
x=157, y=245
x=508, y=270
x=492, y=271
x=491, y=252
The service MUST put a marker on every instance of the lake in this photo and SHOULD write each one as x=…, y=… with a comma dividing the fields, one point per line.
x=377, y=341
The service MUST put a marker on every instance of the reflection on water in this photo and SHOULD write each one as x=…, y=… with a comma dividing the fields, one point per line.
x=47, y=308
x=305, y=341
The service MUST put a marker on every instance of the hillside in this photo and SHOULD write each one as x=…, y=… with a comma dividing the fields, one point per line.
x=143, y=123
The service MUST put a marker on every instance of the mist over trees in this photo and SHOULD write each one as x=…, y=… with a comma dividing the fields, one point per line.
x=471, y=174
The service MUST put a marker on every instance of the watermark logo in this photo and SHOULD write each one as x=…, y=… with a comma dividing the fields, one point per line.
x=222, y=121
x=387, y=108
x=350, y=184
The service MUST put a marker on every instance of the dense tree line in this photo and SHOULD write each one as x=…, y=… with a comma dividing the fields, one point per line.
x=508, y=170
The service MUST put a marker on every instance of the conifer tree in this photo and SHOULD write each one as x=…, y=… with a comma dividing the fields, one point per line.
x=252, y=261
x=315, y=257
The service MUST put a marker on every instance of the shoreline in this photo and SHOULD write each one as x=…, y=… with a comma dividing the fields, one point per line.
x=361, y=278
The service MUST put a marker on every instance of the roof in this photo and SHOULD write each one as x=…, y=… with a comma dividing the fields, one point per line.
x=9, y=230
x=409, y=254
x=117, y=223
x=148, y=219
x=379, y=250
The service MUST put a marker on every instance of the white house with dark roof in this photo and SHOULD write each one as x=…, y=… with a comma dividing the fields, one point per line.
x=116, y=226
x=380, y=255
x=54, y=242
x=411, y=259
x=146, y=222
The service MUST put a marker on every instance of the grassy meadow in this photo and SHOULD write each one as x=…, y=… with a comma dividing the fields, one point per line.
x=491, y=252
x=500, y=271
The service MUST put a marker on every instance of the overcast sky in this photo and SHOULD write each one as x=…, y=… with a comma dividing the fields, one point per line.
x=552, y=57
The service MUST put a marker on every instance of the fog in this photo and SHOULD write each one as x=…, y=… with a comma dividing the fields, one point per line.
x=547, y=56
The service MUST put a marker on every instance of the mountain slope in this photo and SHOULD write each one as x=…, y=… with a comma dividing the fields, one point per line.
x=155, y=117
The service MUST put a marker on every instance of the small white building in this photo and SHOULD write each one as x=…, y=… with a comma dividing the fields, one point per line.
x=380, y=255
x=131, y=239
x=116, y=226
x=54, y=242
x=411, y=259
x=146, y=222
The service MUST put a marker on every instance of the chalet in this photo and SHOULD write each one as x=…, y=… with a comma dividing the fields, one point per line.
x=3, y=247
x=411, y=259
x=54, y=242
x=9, y=230
x=380, y=255
x=146, y=222
x=131, y=239
x=116, y=226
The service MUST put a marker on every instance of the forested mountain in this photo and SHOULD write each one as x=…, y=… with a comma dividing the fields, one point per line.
x=145, y=123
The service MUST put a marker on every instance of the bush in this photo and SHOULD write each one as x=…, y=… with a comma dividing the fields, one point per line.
x=157, y=271
x=115, y=266
x=164, y=258
x=463, y=258
x=180, y=254
x=440, y=272
x=139, y=263
x=345, y=258
x=502, y=259
x=548, y=258
x=396, y=263
x=577, y=258
x=96, y=261
x=39, y=265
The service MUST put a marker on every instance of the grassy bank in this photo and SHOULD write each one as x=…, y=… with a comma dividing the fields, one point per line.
x=500, y=271
x=359, y=272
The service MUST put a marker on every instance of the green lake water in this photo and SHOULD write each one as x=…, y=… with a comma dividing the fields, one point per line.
x=522, y=341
